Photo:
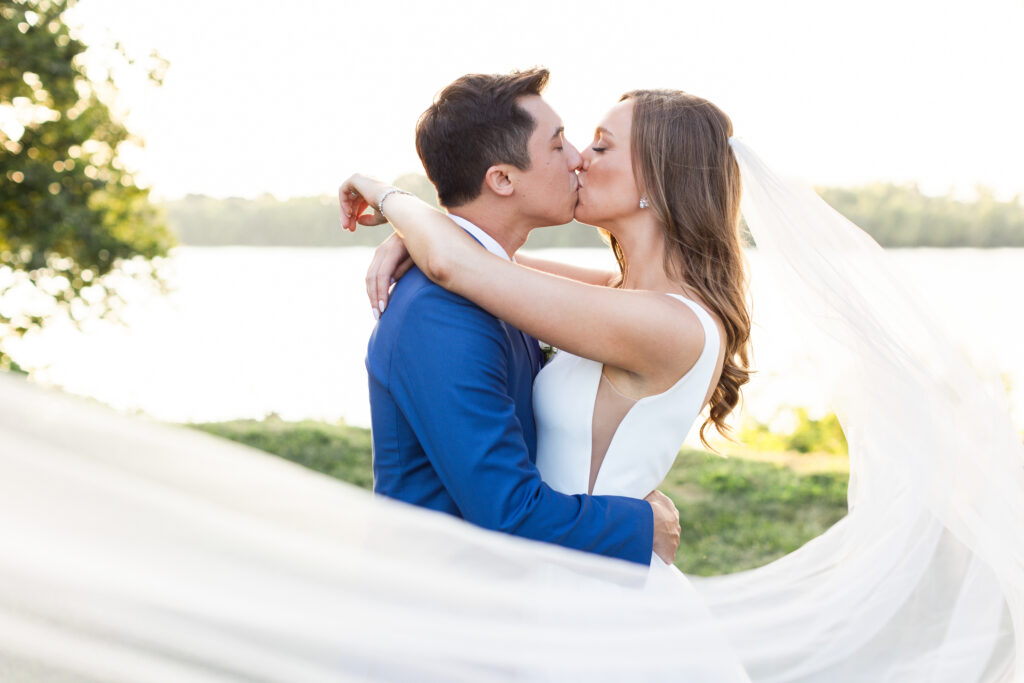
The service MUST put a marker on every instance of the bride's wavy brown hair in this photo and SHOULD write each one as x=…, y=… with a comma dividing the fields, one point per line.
x=686, y=169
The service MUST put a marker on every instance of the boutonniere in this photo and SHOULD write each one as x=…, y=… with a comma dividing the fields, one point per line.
x=547, y=351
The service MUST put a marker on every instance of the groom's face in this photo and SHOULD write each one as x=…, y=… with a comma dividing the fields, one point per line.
x=546, y=191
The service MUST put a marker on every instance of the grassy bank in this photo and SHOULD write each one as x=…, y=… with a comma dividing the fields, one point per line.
x=736, y=513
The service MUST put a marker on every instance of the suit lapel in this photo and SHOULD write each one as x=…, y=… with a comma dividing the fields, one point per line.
x=533, y=348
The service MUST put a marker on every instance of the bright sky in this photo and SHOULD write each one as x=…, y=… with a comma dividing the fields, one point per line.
x=290, y=98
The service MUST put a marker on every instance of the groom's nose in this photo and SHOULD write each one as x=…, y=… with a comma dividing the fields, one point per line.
x=573, y=155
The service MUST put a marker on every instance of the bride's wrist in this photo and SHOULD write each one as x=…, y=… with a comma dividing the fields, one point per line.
x=371, y=189
x=388, y=191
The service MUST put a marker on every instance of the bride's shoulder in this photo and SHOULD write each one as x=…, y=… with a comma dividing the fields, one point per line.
x=674, y=340
x=712, y=333
x=688, y=311
x=676, y=321
x=696, y=319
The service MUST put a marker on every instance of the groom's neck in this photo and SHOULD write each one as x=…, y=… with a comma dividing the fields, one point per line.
x=507, y=230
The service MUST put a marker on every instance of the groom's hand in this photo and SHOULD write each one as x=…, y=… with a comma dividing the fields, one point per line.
x=391, y=260
x=666, y=526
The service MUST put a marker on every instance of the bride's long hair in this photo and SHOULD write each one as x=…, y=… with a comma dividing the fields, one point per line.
x=687, y=171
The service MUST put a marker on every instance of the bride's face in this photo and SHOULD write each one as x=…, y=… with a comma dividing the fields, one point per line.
x=608, y=191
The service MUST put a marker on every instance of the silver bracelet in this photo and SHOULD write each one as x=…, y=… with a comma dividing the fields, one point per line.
x=393, y=190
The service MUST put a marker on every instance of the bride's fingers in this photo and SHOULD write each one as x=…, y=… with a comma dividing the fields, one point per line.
x=384, y=282
x=358, y=214
x=387, y=273
x=373, y=218
x=371, y=279
x=403, y=268
x=352, y=207
x=347, y=202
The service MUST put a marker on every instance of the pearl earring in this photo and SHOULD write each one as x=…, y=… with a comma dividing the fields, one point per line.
x=643, y=203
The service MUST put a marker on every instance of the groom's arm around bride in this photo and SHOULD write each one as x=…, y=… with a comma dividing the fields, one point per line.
x=453, y=431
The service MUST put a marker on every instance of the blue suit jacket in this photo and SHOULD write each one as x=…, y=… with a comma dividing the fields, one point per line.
x=453, y=429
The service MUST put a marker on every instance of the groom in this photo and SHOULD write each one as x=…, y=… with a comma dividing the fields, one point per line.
x=450, y=385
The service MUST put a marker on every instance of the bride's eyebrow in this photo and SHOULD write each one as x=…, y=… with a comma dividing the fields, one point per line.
x=604, y=131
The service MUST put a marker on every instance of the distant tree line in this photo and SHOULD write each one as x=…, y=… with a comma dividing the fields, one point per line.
x=903, y=216
x=895, y=215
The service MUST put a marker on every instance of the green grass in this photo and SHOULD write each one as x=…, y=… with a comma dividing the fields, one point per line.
x=338, y=450
x=736, y=513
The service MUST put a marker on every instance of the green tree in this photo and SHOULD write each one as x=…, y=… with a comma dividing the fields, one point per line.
x=808, y=435
x=903, y=216
x=71, y=214
x=895, y=215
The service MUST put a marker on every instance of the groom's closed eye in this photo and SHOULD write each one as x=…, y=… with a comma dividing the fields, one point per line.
x=559, y=138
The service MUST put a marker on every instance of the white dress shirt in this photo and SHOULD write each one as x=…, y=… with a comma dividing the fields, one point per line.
x=490, y=244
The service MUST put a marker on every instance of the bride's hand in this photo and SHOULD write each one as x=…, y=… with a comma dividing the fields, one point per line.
x=356, y=195
x=390, y=262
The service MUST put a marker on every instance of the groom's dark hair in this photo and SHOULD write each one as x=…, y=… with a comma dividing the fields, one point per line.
x=473, y=124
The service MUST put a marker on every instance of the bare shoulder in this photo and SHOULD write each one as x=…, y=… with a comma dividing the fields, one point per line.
x=685, y=323
x=684, y=335
x=692, y=319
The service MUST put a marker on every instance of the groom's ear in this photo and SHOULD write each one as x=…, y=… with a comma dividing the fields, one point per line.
x=498, y=181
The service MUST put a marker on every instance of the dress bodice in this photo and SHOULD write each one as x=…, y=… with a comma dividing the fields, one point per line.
x=647, y=439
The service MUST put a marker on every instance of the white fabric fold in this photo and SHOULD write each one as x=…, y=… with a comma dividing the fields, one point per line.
x=924, y=579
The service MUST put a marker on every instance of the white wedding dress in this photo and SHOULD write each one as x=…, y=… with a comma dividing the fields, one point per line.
x=639, y=454
x=646, y=441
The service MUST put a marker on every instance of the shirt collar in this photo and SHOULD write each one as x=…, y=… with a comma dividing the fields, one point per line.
x=490, y=244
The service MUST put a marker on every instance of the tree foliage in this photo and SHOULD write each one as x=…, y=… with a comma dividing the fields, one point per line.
x=903, y=216
x=805, y=435
x=71, y=214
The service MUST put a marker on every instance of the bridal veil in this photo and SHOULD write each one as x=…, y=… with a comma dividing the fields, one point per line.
x=923, y=580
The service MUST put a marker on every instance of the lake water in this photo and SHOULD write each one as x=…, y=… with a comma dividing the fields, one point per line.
x=253, y=331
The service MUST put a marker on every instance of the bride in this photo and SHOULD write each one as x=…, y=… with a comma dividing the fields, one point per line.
x=923, y=580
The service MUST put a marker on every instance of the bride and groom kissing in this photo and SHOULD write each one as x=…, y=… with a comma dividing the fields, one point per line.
x=922, y=580
x=464, y=419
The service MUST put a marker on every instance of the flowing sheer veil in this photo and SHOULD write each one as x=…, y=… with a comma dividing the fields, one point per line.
x=134, y=551
x=924, y=578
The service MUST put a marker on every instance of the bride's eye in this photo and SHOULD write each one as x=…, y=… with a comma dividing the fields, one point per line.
x=598, y=149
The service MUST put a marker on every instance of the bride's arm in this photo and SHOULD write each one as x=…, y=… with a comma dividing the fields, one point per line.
x=637, y=331
x=391, y=261
x=592, y=276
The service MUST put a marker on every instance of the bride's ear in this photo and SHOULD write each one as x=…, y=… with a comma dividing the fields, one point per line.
x=498, y=180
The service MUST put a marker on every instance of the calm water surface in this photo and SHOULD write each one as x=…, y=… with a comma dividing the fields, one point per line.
x=253, y=331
